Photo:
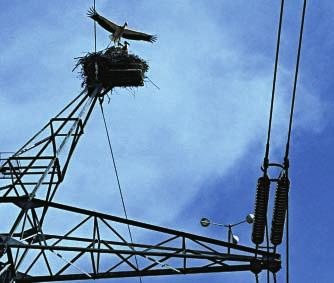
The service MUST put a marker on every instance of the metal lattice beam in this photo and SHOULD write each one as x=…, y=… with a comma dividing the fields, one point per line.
x=178, y=253
x=90, y=244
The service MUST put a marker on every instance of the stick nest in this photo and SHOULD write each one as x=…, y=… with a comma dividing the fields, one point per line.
x=112, y=67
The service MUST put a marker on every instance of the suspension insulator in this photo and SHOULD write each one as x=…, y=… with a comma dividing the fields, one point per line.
x=261, y=206
x=280, y=207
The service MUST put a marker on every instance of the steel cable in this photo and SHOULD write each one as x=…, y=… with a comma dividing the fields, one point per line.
x=266, y=158
x=265, y=165
x=119, y=185
x=286, y=157
x=114, y=163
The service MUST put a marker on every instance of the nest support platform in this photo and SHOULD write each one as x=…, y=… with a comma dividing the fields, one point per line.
x=112, y=67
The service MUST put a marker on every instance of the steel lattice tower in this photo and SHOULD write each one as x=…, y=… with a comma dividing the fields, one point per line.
x=31, y=250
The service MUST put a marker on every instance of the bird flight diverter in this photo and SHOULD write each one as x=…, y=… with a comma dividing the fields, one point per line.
x=250, y=218
x=205, y=222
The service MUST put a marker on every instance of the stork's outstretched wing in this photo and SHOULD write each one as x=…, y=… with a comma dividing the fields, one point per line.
x=112, y=27
x=103, y=22
x=136, y=35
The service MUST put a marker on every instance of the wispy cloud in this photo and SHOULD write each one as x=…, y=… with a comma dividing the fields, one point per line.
x=211, y=110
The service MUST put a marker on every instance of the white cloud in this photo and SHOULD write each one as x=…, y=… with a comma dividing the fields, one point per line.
x=166, y=142
x=211, y=109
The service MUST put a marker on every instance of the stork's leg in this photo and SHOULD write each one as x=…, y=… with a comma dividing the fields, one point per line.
x=112, y=39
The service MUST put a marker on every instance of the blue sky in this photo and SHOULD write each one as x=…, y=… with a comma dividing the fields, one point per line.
x=194, y=147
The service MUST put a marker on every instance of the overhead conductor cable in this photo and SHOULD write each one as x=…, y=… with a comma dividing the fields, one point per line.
x=263, y=184
x=283, y=184
x=281, y=208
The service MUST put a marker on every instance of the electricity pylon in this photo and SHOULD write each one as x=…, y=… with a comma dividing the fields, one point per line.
x=38, y=246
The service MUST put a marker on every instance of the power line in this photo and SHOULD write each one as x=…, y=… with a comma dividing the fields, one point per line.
x=295, y=79
x=286, y=157
x=266, y=157
x=266, y=161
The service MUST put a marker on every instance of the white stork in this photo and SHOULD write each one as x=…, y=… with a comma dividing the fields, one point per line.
x=125, y=47
x=119, y=31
